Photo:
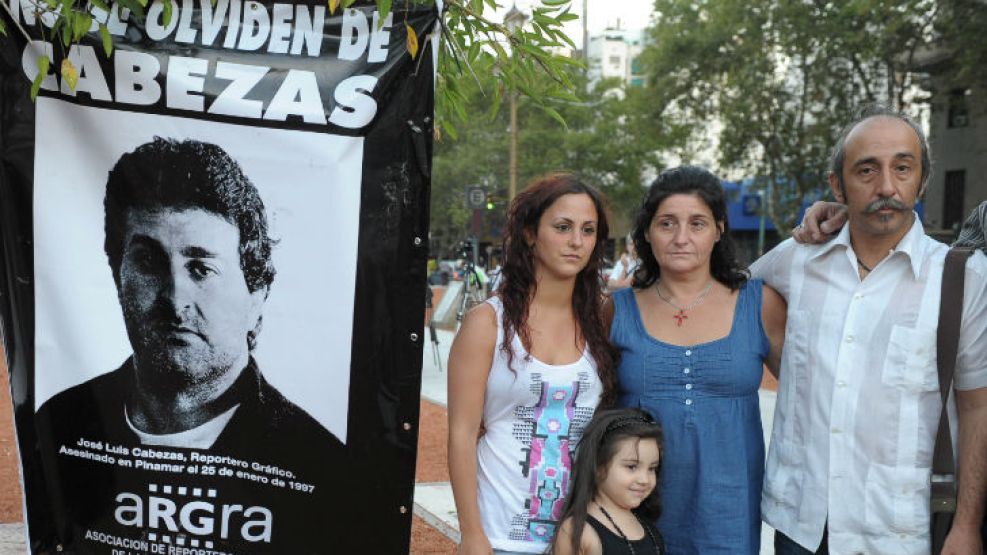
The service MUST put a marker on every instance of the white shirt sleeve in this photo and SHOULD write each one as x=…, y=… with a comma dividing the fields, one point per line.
x=971, y=360
x=775, y=267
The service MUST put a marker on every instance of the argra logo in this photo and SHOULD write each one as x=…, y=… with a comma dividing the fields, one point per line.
x=195, y=512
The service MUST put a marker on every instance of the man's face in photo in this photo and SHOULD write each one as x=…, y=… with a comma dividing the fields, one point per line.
x=185, y=300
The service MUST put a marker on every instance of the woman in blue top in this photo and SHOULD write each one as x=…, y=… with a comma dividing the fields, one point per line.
x=694, y=333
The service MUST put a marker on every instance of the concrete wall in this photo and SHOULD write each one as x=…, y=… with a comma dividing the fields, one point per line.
x=957, y=148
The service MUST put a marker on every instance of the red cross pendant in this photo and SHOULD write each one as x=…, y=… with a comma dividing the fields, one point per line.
x=680, y=315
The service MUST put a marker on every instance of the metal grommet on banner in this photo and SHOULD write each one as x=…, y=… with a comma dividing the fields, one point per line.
x=406, y=426
x=59, y=548
x=403, y=509
x=414, y=337
x=418, y=241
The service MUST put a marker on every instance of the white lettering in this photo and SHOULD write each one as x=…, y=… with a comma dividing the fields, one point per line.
x=308, y=30
x=233, y=27
x=91, y=79
x=380, y=37
x=183, y=79
x=185, y=32
x=135, y=77
x=264, y=525
x=203, y=525
x=29, y=62
x=354, y=105
x=156, y=30
x=354, y=36
x=136, y=510
x=212, y=21
x=231, y=101
x=280, y=28
x=298, y=95
x=228, y=510
x=256, y=26
x=161, y=510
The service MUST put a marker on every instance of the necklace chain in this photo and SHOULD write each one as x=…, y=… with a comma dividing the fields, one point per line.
x=627, y=540
x=680, y=315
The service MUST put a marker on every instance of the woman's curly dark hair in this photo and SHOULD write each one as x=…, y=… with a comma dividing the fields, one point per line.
x=518, y=285
x=687, y=180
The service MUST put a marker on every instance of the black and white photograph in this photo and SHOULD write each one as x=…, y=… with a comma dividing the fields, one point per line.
x=194, y=326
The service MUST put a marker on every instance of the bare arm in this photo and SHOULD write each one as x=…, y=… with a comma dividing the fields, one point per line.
x=964, y=537
x=469, y=365
x=774, y=315
x=820, y=222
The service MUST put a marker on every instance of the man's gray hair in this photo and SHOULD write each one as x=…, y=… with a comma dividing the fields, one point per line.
x=838, y=156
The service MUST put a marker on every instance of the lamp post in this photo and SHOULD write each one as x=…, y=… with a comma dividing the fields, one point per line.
x=586, y=33
x=513, y=20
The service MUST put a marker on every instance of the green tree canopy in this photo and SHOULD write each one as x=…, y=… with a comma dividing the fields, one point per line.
x=781, y=77
x=609, y=140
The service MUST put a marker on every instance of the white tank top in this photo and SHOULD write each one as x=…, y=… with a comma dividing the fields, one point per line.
x=533, y=419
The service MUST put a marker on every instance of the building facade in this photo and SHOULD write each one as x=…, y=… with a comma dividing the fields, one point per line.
x=615, y=53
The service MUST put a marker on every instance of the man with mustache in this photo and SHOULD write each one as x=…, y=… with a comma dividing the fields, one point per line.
x=848, y=469
x=187, y=242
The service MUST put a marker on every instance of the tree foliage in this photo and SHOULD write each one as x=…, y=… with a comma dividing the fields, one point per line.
x=609, y=140
x=781, y=77
x=961, y=28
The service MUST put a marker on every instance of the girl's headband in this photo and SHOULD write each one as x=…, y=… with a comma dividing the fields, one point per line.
x=627, y=421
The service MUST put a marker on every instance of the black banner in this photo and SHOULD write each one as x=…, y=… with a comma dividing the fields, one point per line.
x=211, y=257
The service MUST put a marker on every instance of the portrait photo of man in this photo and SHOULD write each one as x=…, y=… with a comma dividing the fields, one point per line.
x=180, y=410
x=187, y=242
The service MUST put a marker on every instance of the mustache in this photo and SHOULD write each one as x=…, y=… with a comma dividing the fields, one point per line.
x=884, y=203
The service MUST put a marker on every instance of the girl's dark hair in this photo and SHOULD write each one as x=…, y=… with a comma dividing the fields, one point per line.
x=687, y=180
x=598, y=446
x=518, y=284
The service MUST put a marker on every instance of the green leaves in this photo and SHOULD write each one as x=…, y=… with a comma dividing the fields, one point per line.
x=525, y=55
x=104, y=35
x=43, y=65
x=780, y=78
x=166, y=13
x=384, y=8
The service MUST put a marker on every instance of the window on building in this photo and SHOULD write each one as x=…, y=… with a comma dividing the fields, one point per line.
x=615, y=61
x=959, y=115
x=952, y=200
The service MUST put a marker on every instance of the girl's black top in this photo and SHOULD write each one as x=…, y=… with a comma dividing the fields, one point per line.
x=613, y=544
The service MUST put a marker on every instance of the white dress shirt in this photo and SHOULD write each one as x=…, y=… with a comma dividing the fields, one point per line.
x=858, y=399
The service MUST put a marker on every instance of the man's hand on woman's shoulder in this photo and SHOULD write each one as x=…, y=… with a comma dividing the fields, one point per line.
x=820, y=223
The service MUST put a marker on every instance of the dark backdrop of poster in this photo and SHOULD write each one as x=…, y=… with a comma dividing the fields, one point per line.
x=211, y=252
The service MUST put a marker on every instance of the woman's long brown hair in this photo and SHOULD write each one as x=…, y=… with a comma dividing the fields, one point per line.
x=518, y=286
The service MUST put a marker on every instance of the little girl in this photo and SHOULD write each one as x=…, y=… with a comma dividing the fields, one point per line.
x=613, y=488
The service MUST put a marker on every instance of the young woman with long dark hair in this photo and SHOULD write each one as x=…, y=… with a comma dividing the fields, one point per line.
x=528, y=369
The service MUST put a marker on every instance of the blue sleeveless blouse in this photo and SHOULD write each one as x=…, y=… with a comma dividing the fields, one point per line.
x=706, y=398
